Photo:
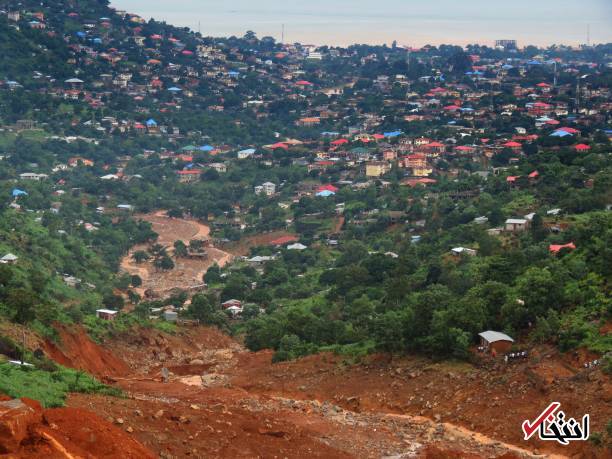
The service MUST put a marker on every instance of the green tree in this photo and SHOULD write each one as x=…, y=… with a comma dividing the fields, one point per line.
x=22, y=303
x=139, y=256
x=180, y=249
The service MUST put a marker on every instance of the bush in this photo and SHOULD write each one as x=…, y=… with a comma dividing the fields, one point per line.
x=50, y=388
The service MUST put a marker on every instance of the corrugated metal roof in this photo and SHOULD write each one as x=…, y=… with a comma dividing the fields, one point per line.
x=493, y=336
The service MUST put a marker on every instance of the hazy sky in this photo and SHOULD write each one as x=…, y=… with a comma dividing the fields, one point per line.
x=410, y=22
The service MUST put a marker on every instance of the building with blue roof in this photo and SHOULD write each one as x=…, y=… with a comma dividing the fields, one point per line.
x=325, y=193
x=17, y=192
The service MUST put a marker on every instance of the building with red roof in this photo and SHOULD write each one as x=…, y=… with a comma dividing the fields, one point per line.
x=464, y=149
x=276, y=145
x=418, y=181
x=189, y=176
x=556, y=248
x=284, y=240
x=582, y=147
x=569, y=130
x=331, y=188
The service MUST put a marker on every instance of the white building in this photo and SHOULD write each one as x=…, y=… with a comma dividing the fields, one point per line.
x=267, y=188
x=33, y=176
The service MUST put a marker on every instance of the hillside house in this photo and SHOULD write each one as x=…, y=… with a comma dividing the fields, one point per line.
x=106, y=314
x=377, y=168
x=267, y=188
x=494, y=341
x=516, y=225
x=189, y=176
x=229, y=303
x=9, y=259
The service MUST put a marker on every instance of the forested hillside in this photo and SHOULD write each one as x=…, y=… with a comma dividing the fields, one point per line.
x=399, y=171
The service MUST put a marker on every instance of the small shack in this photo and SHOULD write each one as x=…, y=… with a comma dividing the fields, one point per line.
x=170, y=316
x=495, y=341
x=106, y=314
x=516, y=225
x=9, y=259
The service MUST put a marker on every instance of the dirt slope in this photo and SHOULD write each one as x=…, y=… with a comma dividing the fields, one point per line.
x=28, y=431
x=76, y=350
x=223, y=401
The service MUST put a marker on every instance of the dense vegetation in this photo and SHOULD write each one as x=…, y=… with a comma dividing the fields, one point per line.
x=386, y=285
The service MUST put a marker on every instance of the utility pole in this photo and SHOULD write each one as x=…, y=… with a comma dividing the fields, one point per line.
x=577, y=94
x=589, y=35
x=283, y=34
x=23, y=346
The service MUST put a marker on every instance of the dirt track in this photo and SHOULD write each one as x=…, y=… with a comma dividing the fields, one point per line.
x=187, y=273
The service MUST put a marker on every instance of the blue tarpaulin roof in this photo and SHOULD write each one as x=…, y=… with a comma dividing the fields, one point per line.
x=392, y=134
x=325, y=193
x=17, y=192
x=206, y=148
x=560, y=134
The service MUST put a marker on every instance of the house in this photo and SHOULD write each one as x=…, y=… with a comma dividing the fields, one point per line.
x=170, y=316
x=259, y=260
x=458, y=251
x=229, y=303
x=106, y=314
x=516, y=225
x=219, y=167
x=377, y=168
x=556, y=248
x=189, y=176
x=125, y=207
x=235, y=311
x=267, y=188
x=33, y=176
x=494, y=341
x=309, y=121
x=296, y=246
x=9, y=259
x=243, y=154
x=109, y=177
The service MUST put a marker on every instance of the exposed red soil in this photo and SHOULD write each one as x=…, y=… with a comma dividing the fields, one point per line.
x=76, y=350
x=187, y=272
x=223, y=401
x=493, y=400
x=64, y=433
x=323, y=401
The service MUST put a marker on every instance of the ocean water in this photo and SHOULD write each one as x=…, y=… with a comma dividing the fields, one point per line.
x=409, y=22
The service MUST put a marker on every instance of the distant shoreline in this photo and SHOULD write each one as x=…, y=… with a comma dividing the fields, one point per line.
x=332, y=26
